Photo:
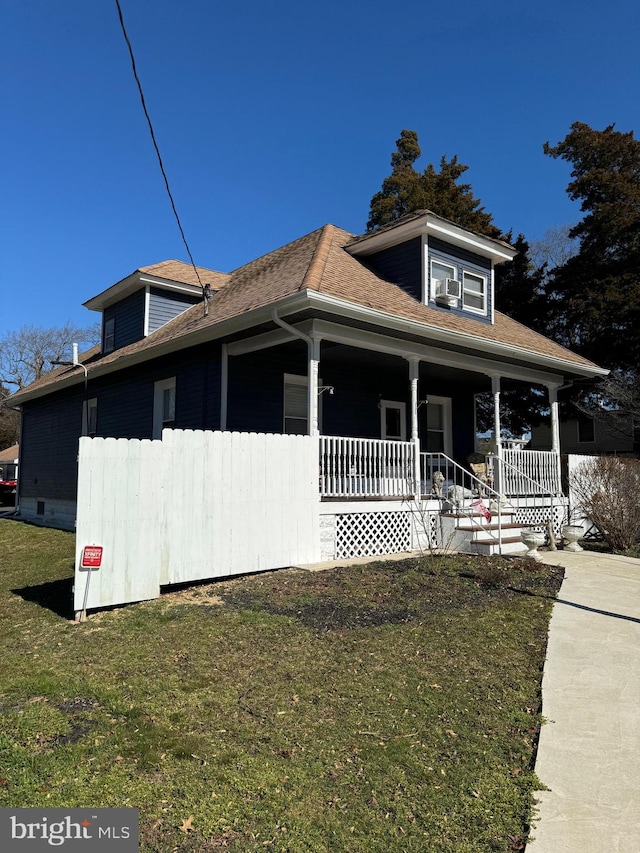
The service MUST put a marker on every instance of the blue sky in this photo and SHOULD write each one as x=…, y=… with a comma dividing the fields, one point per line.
x=274, y=118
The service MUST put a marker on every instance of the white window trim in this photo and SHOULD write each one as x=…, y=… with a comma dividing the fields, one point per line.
x=89, y=406
x=298, y=379
x=485, y=279
x=393, y=404
x=445, y=402
x=158, y=401
x=432, y=280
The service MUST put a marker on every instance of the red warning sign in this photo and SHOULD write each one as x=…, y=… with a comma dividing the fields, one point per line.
x=91, y=557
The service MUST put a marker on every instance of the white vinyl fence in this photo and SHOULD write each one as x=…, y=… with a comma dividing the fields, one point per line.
x=195, y=505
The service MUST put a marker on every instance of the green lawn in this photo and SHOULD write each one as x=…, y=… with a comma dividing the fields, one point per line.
x=388, y=707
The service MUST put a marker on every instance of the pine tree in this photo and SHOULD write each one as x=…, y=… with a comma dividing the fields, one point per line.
x=594, y=298
x=406, y=190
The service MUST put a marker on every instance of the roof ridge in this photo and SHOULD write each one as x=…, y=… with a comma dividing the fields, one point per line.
x=313, y=276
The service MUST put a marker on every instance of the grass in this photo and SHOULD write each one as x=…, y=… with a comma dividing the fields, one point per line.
x=393, y=706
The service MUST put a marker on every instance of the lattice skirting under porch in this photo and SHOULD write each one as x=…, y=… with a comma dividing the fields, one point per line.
x=538, y=516
x=371, y=534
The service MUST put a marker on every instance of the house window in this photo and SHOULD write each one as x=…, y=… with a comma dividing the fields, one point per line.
x=90, y=416
x=586, y=430
x=393, y=420
x=109, y=335
x=295, y=404
x=438, y=438
x=164, y=405
x=439, y=273
x=474, y=292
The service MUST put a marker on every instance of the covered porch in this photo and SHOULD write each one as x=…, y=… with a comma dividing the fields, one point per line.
x=390, y=413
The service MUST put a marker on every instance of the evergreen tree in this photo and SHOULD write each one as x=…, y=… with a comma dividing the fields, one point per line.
x=406, y=190
x=594, y=298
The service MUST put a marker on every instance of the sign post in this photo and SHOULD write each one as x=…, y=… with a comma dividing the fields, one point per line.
x=91, y=559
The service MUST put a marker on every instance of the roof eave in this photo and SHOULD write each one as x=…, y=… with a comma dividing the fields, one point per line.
x=419, y=327
x=126, y=286
x=430, y=224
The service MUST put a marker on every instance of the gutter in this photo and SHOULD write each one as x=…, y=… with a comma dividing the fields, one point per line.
x=302, y=301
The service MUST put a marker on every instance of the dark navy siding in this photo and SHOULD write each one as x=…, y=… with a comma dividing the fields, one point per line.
x=129, y=319
x=52, y=426
x=49, y=447
x=164, y=305
x=464, y=255
x=401, y=264
x=462, y=260
x=256, y=386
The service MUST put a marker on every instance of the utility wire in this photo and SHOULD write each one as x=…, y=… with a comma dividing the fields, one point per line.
x=155, y=144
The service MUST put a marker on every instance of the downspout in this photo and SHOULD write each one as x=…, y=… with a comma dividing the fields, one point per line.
x=313, y=358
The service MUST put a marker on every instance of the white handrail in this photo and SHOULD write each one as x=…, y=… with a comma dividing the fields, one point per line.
x=365, y=467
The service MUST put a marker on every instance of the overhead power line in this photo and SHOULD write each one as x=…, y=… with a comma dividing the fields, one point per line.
x=155, y=144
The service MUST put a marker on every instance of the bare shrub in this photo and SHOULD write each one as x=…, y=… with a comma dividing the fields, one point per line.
x=607, y=490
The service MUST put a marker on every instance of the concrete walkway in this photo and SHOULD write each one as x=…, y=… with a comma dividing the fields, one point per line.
x=589, y=751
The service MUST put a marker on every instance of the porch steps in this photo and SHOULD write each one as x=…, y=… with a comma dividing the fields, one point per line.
x=471, y=533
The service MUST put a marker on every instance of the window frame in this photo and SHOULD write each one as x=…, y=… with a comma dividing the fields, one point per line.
x=581, y=422
x=90, y=417
x=159, y=420
x=484, y=279
x=432, y=279
x=402, y=409
x=109, y=338
x=294, y=379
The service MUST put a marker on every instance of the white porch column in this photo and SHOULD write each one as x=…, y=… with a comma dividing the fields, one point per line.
x=555, y=427
x=495, y=390
x=312, y=374
x=414, y=374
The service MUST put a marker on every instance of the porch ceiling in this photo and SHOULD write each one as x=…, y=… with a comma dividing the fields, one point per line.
x=337, y=354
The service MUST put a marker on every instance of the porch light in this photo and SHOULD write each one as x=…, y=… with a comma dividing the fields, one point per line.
x=323, y=388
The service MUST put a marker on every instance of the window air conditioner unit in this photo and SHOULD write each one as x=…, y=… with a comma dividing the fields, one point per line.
x=448, y=291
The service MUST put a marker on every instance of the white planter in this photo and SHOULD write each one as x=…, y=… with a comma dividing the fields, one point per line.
x=533, y=539
x=571, y=533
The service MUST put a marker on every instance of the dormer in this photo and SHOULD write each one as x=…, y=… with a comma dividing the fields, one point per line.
x=136, y=306
x=437, y=262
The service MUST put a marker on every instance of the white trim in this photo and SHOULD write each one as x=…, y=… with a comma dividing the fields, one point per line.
x=147, y=303
x=131, y=283
x=314, y=300
x=402, y=407
x=447, y=421
x=406, y=349
x=429, y=223
x=431, y=282
x=484, y=278
x=293, y=379
x=158, y=402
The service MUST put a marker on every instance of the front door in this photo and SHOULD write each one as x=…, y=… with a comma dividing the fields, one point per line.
x=393, y=420
x=438, y=438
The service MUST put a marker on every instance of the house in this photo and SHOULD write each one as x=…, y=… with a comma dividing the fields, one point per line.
x=8, y=474
x=377, y=343
x=610, y=433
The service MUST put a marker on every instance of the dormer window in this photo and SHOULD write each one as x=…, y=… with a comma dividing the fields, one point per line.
x=445, y=288
x=109, y=335
x=474, y=292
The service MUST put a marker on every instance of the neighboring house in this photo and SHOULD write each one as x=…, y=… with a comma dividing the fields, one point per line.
x=389, y=335
x=8, y=474
x=609, y=433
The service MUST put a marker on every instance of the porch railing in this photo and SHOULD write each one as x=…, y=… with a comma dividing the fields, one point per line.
x=365, y=467
x=529, y=472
